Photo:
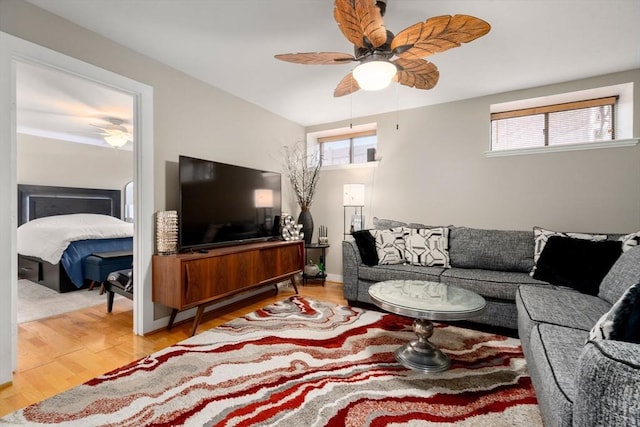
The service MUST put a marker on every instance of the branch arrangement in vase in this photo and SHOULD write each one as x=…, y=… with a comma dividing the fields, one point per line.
x=303, y=171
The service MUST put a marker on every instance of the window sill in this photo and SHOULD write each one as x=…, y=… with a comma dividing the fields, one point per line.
x=631, y=142
x=350, y=166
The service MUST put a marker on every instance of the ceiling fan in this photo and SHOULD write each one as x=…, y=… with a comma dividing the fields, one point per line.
x=375, y=47
x=115, y=134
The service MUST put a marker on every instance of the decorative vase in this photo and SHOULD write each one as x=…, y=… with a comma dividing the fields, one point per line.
x=306, y=220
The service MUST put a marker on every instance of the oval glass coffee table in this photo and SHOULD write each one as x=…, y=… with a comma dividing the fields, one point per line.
x=425, y=301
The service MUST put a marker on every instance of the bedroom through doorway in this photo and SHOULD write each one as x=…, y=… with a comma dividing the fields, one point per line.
x=71, y=132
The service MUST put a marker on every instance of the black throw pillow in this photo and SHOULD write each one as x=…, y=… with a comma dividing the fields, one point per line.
x=577, y=263
x=366, y=246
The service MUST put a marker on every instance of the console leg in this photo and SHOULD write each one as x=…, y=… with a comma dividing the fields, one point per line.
x=172, y=318
x=196, y=320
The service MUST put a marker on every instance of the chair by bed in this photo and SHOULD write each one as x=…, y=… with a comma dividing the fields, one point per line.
x=35, y=201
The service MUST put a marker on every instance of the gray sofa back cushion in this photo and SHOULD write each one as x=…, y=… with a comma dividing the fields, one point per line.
x=624, y=274
x=491, y=249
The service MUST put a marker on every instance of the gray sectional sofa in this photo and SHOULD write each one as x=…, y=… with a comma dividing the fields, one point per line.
x=581, y=382
x=578, y=382
x=492, y=263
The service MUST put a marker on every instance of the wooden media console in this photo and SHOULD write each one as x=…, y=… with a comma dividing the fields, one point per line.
x=199, y=279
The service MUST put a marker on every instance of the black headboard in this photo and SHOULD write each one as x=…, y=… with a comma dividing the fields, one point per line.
x=37, y=201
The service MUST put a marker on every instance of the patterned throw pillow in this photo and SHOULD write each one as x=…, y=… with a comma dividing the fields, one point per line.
x=630, y=240
x=427, y=246
x=389, y=245
x=541, y=236
x=622, y=321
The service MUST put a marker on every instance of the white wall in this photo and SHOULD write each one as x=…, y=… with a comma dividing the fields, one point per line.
x=44, y=161
x=433, y=171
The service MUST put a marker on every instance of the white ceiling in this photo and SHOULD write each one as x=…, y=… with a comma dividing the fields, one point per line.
x=57, y=105
x=230, y=44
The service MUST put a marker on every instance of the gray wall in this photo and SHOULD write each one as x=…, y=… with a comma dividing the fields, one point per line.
x=44, y=161
x=190, y=117
x=433, y=170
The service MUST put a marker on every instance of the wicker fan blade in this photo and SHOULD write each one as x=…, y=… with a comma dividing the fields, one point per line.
x=371, y=22
x=346, y=86
x=437, y=35
x=416, y=73
x=358, y=19
x=320, y=58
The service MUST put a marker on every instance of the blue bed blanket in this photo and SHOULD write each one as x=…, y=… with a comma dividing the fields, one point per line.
x=77, y=251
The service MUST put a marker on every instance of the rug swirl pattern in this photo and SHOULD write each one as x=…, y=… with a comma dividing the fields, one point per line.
x=302, y=362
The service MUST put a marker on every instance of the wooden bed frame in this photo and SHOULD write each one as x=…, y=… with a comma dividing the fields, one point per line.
x=37, y=201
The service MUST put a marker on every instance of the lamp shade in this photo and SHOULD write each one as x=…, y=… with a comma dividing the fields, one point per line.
x=374, y=75
x=353, y=195
x=263, y=198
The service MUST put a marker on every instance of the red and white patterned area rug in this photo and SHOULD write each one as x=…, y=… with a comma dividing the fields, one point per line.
x=307, y=363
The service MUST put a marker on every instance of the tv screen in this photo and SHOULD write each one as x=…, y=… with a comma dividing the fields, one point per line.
x=224, y=204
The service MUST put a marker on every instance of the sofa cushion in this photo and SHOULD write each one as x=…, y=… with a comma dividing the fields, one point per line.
x=491, y=249
x=381, y=273
x=624, y=273
x=541, y=235
x=577, y=263
x=389, y=245
x=553, y=368
x=427, y=246
x=385, y=224
x=366, y=246
x=488, y=283
x=622, y=321
x=562, y=307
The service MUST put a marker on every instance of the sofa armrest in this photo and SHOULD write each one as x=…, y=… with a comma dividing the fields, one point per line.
x=608, y=385
x=350, y=264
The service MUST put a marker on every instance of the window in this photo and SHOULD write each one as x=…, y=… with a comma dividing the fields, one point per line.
x=344, y=149
x=553, y=125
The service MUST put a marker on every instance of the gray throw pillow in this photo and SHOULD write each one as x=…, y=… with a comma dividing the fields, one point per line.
x=622, y=321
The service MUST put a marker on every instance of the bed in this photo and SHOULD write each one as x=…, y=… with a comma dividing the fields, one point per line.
x=48, y=218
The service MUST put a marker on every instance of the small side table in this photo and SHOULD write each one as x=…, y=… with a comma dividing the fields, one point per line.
x=321, y=276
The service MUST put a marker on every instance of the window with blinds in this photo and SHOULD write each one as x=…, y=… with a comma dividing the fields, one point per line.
x=552, y=125
x=344, y=149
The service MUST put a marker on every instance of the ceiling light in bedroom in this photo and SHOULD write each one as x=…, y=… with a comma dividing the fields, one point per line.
x=114, y=133
x=117, y=140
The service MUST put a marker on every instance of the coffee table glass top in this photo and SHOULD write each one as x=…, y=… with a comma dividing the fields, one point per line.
x=426, y=300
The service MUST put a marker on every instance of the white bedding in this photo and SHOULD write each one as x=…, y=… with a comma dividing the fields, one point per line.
x=48, y=237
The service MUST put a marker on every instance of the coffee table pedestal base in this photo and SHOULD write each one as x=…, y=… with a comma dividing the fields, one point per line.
x=422, y=355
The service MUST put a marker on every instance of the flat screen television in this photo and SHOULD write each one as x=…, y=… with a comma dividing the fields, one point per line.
x=223, y=204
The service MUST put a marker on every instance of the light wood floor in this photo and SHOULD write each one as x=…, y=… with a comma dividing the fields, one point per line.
x=67, y=350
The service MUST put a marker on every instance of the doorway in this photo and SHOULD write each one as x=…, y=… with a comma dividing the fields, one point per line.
x=66, y=139
x=14, y=49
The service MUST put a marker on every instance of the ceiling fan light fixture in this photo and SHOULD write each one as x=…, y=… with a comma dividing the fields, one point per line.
x=374, y=75
x=117, y=140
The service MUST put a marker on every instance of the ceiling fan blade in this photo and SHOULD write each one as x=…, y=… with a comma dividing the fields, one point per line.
x=371, y=22
x=437, y=35
x=416, y=73
x=321, y=58
x=358, y=19
x=346, y=86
